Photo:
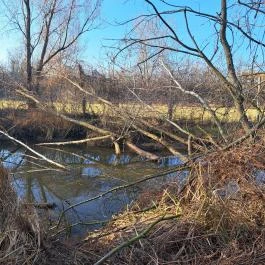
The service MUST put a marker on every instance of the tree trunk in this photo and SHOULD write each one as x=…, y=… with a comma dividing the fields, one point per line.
x=31, y=104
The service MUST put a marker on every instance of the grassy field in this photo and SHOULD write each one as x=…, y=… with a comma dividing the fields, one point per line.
x=180, y=112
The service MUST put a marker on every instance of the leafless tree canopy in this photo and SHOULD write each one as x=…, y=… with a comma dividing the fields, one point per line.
x=50, y=31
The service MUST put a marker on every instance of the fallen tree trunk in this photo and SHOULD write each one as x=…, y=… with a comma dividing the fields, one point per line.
x=170, y=148
x=33, y=151
x=87, y=125
x=77, y=141
x=123, y=116
x=141, y=152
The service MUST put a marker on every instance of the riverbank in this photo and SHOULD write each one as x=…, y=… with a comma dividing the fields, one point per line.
x=128, y=129
x=216, y=217
x=23, y=236
x=36, y=126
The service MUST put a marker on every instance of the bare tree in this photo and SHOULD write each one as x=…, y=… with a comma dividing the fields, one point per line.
x=49, y=28
x=233, y=28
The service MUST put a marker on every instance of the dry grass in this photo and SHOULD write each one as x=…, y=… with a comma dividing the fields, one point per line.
x=36, y=124
x=222, y=217
x=46, y=124
x=20, y=233
x=22, y=237
x=192, y=113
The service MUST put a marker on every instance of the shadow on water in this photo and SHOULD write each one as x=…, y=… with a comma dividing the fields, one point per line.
x=93, y=171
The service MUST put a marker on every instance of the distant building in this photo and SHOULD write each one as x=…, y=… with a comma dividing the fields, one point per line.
x=254, y=83
x=256, y=80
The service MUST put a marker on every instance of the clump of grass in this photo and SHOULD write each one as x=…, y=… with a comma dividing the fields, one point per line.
x=221, y=217
x=20, y=233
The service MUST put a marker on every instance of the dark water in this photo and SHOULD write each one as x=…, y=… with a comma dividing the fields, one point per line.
x=92, y=172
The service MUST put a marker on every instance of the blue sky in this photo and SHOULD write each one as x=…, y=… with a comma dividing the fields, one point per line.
x=114, y=11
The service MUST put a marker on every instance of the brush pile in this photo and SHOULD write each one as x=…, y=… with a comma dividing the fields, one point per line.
x=218, y=217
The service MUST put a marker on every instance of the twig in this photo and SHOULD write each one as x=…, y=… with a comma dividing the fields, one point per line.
x=42, y=205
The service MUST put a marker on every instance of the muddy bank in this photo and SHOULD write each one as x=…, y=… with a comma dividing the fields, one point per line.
x=35, y=126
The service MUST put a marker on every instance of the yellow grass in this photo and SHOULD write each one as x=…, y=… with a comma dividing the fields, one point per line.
x=13, y=104
x=180, y=112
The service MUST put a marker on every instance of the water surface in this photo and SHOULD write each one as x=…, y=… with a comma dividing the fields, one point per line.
x=93, y=170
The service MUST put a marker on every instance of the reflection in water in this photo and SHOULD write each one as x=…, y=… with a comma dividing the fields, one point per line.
x=93, y=171
x=12, y=158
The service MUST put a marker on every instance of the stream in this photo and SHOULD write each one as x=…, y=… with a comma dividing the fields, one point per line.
x=93, y=170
